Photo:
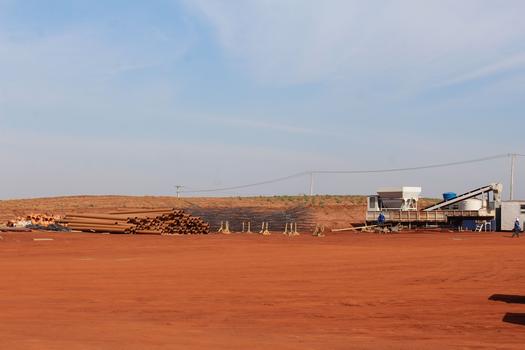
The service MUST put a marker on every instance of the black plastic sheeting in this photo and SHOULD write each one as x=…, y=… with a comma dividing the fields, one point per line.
x=51, y=227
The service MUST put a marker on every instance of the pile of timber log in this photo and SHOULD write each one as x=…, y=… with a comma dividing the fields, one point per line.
x=34, y=219
x=151, y=221
x=176, y=222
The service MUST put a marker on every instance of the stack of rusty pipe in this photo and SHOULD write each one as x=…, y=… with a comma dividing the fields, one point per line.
x=148, y=221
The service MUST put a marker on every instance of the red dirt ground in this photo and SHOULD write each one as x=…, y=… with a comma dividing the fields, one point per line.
x=344, y=291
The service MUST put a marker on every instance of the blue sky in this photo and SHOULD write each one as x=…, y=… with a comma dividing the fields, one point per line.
x=132, y=97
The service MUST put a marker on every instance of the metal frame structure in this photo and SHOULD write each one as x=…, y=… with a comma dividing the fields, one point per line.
x=443, y=211
x=495, y=188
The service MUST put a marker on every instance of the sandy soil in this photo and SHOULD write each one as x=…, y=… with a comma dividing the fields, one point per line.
x=344, y=291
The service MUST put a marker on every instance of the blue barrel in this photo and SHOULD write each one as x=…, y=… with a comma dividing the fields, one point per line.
x=449, y=195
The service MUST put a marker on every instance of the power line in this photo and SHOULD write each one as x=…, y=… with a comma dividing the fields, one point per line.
x=373, y=171
x=442, y=165
x=249, y=185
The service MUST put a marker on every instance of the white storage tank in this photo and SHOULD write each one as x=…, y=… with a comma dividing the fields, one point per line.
x=471, y=204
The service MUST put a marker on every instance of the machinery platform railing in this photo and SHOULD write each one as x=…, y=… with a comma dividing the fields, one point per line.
x=428, y=216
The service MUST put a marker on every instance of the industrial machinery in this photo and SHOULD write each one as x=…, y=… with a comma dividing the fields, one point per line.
x=394, y=198
x=467, y=204
x=400, y=205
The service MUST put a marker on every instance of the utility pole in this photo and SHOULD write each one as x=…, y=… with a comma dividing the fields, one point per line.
x=311, y=184
x=178, y=187
x=512, y=166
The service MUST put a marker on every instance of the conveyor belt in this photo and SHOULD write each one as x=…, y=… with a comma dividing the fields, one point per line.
x=471, y=194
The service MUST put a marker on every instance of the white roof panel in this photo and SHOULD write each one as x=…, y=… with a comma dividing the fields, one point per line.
x=399, y=192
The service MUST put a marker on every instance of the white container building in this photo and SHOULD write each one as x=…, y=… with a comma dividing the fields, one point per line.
x=510, y=210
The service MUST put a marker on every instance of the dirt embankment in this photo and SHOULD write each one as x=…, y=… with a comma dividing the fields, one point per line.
x=327, y=210
x=331, y=211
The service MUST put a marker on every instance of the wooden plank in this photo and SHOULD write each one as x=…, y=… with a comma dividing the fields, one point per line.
x=352, y=228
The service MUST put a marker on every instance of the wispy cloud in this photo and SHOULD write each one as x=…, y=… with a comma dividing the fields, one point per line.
x=140, y=97
x=512, y=63
x=356, y=43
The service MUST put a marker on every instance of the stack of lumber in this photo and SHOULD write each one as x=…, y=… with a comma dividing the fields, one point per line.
x=150, y=221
